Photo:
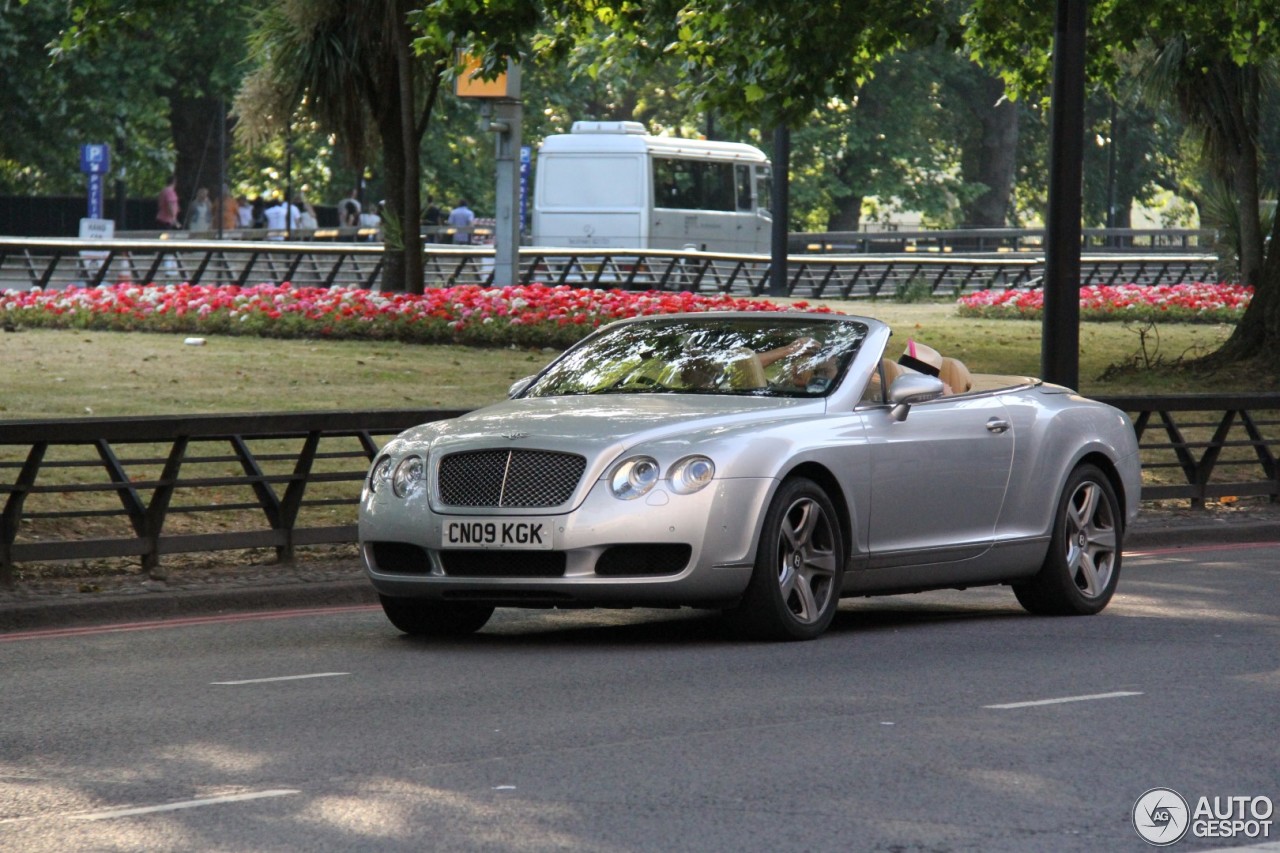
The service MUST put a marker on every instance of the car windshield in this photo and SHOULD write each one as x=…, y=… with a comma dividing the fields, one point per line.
x=768, y=355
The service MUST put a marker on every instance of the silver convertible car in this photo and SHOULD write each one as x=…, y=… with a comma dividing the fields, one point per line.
x=761, y=464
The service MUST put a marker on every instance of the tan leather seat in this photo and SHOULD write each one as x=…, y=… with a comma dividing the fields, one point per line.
x=745, y=371
x=956, y=375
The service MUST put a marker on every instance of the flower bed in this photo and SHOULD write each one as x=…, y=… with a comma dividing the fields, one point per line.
x=1178, y=303
x=533, y=315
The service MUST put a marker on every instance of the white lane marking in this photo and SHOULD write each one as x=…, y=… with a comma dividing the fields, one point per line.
x=186, y=804
x=283, y=678
x=1064, y=699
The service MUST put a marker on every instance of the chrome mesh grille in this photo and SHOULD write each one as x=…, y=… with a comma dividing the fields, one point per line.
x=509, y=478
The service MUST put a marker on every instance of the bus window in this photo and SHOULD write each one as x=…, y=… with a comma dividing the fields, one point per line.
x=764, y=189
x=692, y=184
x=743, y=174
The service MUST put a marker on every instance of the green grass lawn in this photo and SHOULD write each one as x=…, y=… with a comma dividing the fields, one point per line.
x=60, y=374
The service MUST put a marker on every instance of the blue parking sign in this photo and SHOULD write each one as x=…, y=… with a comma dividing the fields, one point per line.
x=95, y=158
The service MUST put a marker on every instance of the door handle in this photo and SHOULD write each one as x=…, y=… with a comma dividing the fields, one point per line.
x=998, y=425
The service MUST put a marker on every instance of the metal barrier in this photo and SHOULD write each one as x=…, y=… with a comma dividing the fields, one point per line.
x=146, y=487
x=1206, y=435
x=968, y=240
x=60, y=263
x=126, y=483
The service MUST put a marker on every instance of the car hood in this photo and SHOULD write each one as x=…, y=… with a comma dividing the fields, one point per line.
x=602, y=425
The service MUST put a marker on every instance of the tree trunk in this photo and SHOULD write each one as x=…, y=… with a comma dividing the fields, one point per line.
x=196, y=138
x=410, y=211
x=993, y=162
x=848, y=214
x=1234, y=115
x=1257, y=335
x=393, y=110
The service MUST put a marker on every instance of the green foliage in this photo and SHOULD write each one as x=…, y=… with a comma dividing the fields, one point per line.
x=53, y=100
x=761, y=62
x=914, y=289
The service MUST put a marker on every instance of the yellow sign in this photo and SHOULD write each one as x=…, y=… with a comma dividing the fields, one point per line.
x=469, y=85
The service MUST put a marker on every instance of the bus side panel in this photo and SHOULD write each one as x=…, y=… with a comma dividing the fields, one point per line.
x=589, y=229
x=713, y=231
x=591, y=200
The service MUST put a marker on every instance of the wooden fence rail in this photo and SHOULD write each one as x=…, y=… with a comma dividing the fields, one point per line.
x=149, y=486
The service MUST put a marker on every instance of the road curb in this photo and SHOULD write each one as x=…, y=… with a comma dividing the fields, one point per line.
x=173, y=604
x=1171, y=534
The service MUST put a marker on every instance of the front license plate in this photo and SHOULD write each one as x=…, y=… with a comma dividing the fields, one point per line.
x=513, y=533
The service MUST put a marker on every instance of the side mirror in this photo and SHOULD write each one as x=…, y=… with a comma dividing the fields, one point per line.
x=910, y=389
x=518, y=387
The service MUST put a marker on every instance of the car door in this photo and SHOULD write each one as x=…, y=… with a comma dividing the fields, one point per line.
x=938, y=480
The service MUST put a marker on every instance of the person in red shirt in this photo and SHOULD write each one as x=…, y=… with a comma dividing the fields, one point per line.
x=167, y=205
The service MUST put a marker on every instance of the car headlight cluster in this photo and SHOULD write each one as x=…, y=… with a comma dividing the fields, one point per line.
x=406, y=478
x=636, y=476
x=380, y=474
x=409, y=476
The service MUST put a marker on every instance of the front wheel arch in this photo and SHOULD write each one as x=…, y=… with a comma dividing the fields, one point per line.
x=798, y=575
x=1082, y=565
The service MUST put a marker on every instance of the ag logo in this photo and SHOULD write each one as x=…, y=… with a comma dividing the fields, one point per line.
x=1161, y=817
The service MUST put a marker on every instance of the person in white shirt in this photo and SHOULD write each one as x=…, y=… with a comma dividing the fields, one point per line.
x=281, y=216
x=462, y=220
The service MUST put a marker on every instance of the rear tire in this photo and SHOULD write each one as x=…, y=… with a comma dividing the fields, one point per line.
x=794, y=589
x=1082, y=567
x=422, y=617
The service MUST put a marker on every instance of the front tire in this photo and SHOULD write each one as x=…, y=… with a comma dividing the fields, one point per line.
x=1082, y=567
x=794, y=589
x=421, y=617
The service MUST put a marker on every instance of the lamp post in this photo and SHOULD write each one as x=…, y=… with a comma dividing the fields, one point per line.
x=1060, y=336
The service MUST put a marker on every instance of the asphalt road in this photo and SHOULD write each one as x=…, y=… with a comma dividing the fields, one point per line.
x=936, y=722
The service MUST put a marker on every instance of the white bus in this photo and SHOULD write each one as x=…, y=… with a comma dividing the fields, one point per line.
x=610, y=185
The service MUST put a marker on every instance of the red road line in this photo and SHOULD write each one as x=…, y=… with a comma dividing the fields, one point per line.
x=88, y=630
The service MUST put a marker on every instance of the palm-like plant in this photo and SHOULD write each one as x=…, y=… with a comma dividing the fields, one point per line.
x=352, y=68
x=1221, y=99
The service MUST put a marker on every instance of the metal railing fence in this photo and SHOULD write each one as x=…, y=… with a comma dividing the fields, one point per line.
x=60, y=263
x=968, y=240
x=149, y=486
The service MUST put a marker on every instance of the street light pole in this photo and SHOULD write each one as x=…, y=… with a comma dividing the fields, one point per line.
x=781, y=211
x=508, y=115
x=1060, y=337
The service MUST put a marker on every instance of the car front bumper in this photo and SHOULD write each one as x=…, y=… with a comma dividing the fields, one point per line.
x=664, y=549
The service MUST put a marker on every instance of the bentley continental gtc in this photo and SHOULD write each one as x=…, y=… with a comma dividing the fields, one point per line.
x=764, y=465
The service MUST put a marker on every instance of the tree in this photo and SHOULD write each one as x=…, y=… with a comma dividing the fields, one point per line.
x=766, y=63
x=1213, y=65
x=53, y=101
x=372, y=74
x=185, y=55
x=893, y=142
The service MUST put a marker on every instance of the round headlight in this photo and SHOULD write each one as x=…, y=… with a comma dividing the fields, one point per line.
x=380, y=474
x=409, y=476
x=634, y=477
x=691, y=474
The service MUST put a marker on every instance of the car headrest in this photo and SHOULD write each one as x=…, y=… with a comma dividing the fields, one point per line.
x=955, y=374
